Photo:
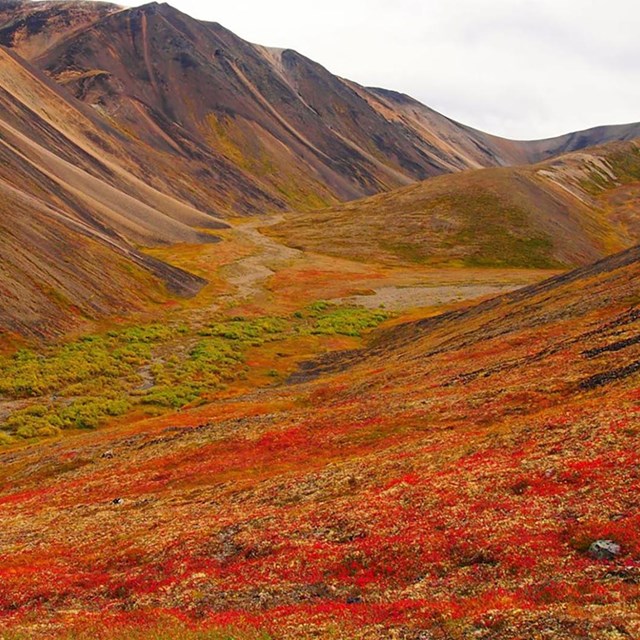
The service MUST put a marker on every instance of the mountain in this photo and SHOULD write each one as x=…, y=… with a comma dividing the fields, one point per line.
x=568, y=211
x=502, y=151
x=85, y=185
x=251, y=128
x=449, y=481
x=131, y=128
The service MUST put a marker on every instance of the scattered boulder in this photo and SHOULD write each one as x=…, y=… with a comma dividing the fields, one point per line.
x=107, y=455
x=118, y=502
x=604, y=550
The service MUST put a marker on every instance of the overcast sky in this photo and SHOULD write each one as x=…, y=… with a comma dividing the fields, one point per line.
x=519, y=68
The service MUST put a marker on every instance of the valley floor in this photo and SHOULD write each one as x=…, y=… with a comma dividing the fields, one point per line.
x=441, y=477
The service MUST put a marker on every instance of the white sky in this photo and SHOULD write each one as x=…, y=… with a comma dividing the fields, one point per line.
x=519, y=68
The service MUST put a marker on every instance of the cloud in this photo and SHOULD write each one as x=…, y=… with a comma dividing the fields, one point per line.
x=521, y=68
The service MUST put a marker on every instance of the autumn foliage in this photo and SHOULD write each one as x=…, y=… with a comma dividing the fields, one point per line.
x=448, y=480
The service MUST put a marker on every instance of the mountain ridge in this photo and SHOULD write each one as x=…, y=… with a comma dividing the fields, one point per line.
x=362, y=142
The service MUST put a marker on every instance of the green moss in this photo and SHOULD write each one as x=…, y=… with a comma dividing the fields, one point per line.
x=86, y=382
x=173, y=397
x=345, y=321
x=517, y=252
x=210, y=363
x=88, y=359
x=497, y=233
x=407, y=251
x=316, y=308
x=253, y=332
x=39, y=420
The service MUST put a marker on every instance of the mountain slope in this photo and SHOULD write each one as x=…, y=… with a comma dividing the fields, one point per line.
x=450, y=480
x=252, y=128
x=269, y=111
x=72, y=215
x=501, y=151
x=565, y=212
x=34, y=28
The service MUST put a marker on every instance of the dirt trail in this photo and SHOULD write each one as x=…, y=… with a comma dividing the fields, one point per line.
x=248, y=274
x=148, y=380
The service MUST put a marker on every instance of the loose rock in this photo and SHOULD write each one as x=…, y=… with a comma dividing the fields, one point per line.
x=604, y=550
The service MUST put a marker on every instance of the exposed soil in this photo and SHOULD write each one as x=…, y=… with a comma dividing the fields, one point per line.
x=249, y=274
x=402, y=298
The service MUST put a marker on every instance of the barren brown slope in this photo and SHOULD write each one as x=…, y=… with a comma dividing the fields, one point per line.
x=71, y=217
x=568, y=211
x=36, y=28
x=56, y=273
x=59, y=135
x=542, y=149
x=190, y=180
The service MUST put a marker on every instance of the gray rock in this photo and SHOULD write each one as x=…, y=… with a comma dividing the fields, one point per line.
x=604, y=550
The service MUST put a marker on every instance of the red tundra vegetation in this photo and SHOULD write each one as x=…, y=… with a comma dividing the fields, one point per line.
x=447, y=481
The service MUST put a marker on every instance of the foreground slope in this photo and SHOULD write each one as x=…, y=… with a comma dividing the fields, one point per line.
x=448, y=482
x=564, y=212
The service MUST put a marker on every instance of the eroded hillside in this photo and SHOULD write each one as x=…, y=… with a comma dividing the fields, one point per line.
x=253, y=128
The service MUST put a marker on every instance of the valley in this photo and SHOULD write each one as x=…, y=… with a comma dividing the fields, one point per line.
x=263, y=507
x=266, y=308
x=287, y=357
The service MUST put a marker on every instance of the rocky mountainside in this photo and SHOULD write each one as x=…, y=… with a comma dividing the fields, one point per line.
x=253, y=128
x=502, y=151
x=72, y=214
